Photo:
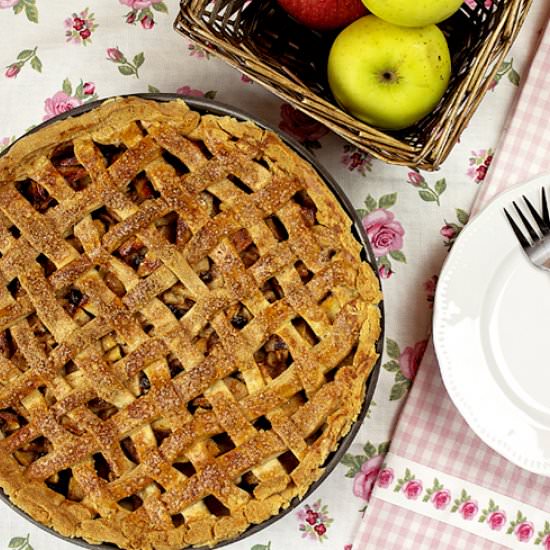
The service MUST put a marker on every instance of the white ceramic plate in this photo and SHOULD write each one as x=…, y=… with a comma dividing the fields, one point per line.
x=492, y=334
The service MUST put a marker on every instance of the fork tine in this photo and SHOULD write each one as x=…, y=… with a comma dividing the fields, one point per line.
x=545, y=215
x=522, y=240
x=530, y=230
x=543, y=226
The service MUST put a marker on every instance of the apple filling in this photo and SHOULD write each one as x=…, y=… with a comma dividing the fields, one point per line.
x=113, y=348
x=236, y=385
x=134, y=253
x=10, y=422
x=205, y=340
x=37, y=195
x=32, y=451
x=69, y=167
x=174, y=229
x=178, y=299
x=238, y=315
x=74, y=302
x=273, y=358
x=308, y=209
x=209, y=273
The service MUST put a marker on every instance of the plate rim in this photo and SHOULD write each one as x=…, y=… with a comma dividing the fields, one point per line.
x=455, y=390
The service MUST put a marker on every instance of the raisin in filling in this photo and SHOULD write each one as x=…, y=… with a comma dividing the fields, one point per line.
x=273, y=357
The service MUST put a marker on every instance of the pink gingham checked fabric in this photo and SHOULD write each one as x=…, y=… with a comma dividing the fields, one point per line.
x=393, y=527
x=524, y=151
x=431, y=431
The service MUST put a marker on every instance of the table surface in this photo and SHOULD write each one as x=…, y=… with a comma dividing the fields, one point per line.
x=58, y=55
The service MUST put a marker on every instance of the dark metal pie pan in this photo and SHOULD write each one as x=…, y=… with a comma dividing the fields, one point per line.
x=204, y=106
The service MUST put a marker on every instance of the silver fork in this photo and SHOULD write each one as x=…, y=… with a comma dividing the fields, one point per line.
x=537, y=243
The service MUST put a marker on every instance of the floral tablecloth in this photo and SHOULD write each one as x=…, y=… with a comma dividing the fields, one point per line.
x=58, y=55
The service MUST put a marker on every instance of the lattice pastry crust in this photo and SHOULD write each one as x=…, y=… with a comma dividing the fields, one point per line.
x=186, y=325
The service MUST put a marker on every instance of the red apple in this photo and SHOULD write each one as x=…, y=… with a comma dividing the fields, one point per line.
x=323, y=15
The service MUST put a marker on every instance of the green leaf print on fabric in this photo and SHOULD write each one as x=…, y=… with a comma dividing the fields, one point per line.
x=26, y=6
x=506, y=69
x=125, y=67
x=451, y=230
x=403, y=364
x=24, y=57
x=20, y=543
x=425, y=192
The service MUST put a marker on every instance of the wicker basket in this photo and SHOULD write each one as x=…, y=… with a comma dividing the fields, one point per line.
x=259, y=39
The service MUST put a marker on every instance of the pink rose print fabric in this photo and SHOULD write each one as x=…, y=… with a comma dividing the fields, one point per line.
x=438, y=495
x=140, y=4
x=468, y=509
x=493, y=516
x=367, y=468
x=197, y=51
x=410, y=486
x=444, y=499
x=59, y=103
x=356, y=160
x=143, y=12
x=543, y=537
x=524, y=531
x=301, y=126
x=497, y=520
x=125, y=66
x=80, y=27
x=425, y=191
x=403, y=364
x=441, y=499
x=451, y=230
x=192, y=92
x=384, y=231
x=429, y=287
x=479, y=164
x=65, y=99
x=364, y=480
x=412, y=489
x=410, y=358
x=522, y=528
x=385, y=478
x=314, y=521
x=24, y=57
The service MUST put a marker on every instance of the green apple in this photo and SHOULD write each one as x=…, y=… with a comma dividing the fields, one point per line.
x=413, y=13
x=386, y=75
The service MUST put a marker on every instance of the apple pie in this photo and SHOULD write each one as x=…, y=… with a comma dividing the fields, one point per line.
x=186, y=325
